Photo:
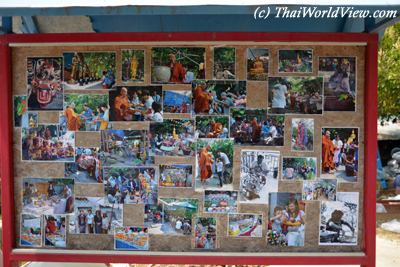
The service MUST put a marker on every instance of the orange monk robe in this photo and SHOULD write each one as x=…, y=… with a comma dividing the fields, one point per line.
x=202, y=102
x=256, y=131
x=328, y=149
x=178, y=73
x=73, y=120
x=121, y=105
x=216, y=130
x=205, y=163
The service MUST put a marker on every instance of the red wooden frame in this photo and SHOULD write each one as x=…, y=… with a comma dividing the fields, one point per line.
x=11, y=257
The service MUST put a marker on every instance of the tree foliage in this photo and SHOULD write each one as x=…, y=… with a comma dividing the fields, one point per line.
x=389, y=73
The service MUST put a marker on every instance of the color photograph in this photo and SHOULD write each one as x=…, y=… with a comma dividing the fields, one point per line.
x=131, y=238
x=89, y=70
x=175, y=101
x=123, y=147
x=212, y=127
x=205, y=233
x=258, y=175
x=220, y=201
x=257, y=64
x=130, y=185
x=47, y=143
x=224, y=63
x=295, y=61
x=176, y=175
x=320, y=189
x=85, y=112
x=173, y=137
x=214, y=164
x=339, y=220
x=132, y=66
x=217, y=97
x=302, y=135
x=31, y=231
x=136, y=103
x=20, y=108
x=87, y=167
x=93, y=215
x=295, y=95
x=339, y=83
x=244, y=225
x=286, y=220
x=48, y=196
x=255, y=127
x=177, y=64
x=44, y=77
x=153, y=218
x=340, y=154
x=299, y=168
x=30, y=119
x=55, y=231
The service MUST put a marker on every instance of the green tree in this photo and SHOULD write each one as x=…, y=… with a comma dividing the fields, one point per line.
x=389, y=73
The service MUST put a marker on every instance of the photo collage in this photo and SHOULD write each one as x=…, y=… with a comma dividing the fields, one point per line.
x=188, y=147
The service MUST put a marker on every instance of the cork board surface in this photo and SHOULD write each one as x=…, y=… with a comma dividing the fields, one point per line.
x=257, y=97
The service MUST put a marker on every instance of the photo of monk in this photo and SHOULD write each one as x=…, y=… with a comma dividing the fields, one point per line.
x=177, y=64
x=212, y=126
x=132, y=65
x=340, y=154
x=136, y=103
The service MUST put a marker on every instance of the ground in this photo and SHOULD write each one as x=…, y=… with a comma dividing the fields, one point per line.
x=340, y=175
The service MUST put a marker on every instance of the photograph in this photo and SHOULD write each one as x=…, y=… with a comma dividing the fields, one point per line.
x=136, y=103
x=340, y=154
x=299, y=168
x=177, y=215
x=205, y=233
x=132, y=65
x=93, y=215
x=173, y=137
x=224, y=63
x=218, y=201
x=85, y=112
x=257, y=64
x=47, y=143
x=130, y=185
x=31, y=231
x=255, y=127
x=320, y=189
x=44, y=78
x=217, y=97
x=89, y=70
x=295, y=61
x=55, y=231
x=87, y=167
x=302, y=134
x=123, y=147
x=339, y=220
x=177, y=64
x=295, y=95
x=153, y=218
x=30, y=119
x=131, y=238
x=244, y=225
x=20, y=109
x=176, y=175
x=339, y=83
x=212, y=127
x=258, y=175
x=47, y=196
x=214, y=164
x=286, y=220
x=177, y=101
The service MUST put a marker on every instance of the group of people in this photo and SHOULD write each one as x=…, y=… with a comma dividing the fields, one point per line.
x=205, y=236
x=299, y=171
x=181, y=177
x=87, y=120
x=54, y=228
x=214, y=166
x=251, y=130
x=181, y=225
x=138, y=105
x=213, y=129
x=97, y=223
x=320, y=192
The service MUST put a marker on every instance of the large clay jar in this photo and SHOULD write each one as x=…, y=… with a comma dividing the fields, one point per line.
x=161, y=74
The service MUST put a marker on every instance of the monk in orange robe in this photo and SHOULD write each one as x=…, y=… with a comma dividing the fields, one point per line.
x=215, y=129
x=202, y=100
x=73, y=119
x=328, y=149
x=178, y=72
x=122, y=105
x=256, y=130
x=205, y=163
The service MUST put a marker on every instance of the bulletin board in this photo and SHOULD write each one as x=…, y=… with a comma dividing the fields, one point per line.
x=211, y=148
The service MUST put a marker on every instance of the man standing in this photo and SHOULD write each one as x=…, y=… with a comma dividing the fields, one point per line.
x=89, y=221
x=227, y=164
x=279, y=93
x=87, y=115
x=82, y=222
